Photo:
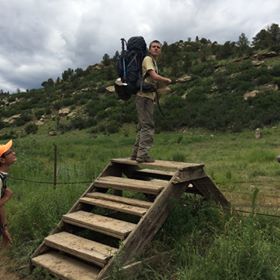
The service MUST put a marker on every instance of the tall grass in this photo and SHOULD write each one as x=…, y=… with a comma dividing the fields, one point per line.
x=208, y=243
x=243, y=250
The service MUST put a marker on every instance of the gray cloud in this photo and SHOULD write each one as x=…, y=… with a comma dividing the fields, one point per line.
x=40, y=39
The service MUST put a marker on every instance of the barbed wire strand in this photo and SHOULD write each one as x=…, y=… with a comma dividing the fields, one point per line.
x=48, y=182
x=249, y=193
x=247, y=212
x=88, y=182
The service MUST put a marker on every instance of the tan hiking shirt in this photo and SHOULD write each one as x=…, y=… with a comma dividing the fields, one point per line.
x=148, y=64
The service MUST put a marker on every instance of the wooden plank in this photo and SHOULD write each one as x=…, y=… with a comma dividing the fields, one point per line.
x=125, y=208
x=125, y=200
x=159, y=163
x=189, y=174
x=209, y=190
x=144, y=174
x=66, y=268
x=149, y=171
x=113, y=227
x=80, y=247
x=130, y=271
x=131, y=184
x=147, y=227
x=110, y=169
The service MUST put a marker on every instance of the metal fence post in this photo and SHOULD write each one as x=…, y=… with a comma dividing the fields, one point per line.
x=55, y=166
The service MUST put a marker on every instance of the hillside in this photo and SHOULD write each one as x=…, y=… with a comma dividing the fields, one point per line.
x=219, y=87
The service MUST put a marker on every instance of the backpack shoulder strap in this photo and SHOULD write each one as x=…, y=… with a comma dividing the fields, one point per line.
x=155, y=64
x=3, y=178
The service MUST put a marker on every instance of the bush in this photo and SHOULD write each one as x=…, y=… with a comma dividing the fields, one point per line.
x=9, y=135
x=31, y=128
x=275, y=71
x=2, y=124
x=78, y=123
x=107, y=127
x=263, y=79
x=203, y=69
x=276, y=80
x=24, y=118
x=39, y=113
x=245, y=65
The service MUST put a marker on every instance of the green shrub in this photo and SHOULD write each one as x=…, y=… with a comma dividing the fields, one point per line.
x=2, y=125
x=263, y=79
x=31, y=128
x=78, y=123
x=38, y=114
x=246, y=64
x=24, y=118
x=275, y=71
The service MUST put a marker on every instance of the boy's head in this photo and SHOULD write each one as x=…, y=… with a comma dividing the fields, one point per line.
x=7, y=155
x=155, y=48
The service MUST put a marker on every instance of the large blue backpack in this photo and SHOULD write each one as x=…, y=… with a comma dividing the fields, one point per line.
x=129, y=67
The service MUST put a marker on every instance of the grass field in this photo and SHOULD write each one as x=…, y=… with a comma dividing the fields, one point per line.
x=208, y=243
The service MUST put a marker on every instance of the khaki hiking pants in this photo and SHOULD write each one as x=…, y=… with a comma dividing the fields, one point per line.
x=145, y=127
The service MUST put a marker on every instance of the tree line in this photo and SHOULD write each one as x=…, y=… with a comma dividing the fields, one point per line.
x=214, y=97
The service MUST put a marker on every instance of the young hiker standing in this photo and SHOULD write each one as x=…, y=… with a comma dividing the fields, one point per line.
x=7, y=158
x=145, y=105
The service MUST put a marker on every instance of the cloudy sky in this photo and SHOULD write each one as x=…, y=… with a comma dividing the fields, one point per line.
x=39, y=39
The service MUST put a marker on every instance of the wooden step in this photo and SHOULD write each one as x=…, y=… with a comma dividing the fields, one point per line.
x=80, y=247
x=159, y=163
x=121, y=199
x=121, y=207
x=121, y=183
x=149, y=171
x=113, y=227
x=65, y=267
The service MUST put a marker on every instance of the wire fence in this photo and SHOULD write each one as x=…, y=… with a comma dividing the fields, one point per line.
x=254, y=213
x=55, y=182
x=89, y=182
x=48, y=182
x=223, y=190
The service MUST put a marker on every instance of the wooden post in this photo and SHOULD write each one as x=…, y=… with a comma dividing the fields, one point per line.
x=55, y=166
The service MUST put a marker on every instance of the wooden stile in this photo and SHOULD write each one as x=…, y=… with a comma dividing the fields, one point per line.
x=124, y=191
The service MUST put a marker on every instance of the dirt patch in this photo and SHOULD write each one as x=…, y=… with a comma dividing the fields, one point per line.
x=6, y=268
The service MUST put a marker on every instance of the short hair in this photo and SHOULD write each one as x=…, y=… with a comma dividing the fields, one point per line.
x=154, y=41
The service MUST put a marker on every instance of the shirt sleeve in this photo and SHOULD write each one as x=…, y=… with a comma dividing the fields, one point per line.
x=148, y=64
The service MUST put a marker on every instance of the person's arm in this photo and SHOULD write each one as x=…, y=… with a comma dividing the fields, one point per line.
x=7, y=196
x=156, y=77
x=3, y=221
x=4, y=228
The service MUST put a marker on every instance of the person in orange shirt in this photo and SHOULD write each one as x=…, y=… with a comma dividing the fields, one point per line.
x=7, y=158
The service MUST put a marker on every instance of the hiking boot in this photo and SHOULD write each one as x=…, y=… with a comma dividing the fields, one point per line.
x=145, y=159
x=133, y=157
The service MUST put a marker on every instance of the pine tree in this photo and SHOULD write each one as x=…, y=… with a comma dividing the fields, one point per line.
x=274, y=31
x=243, y=45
